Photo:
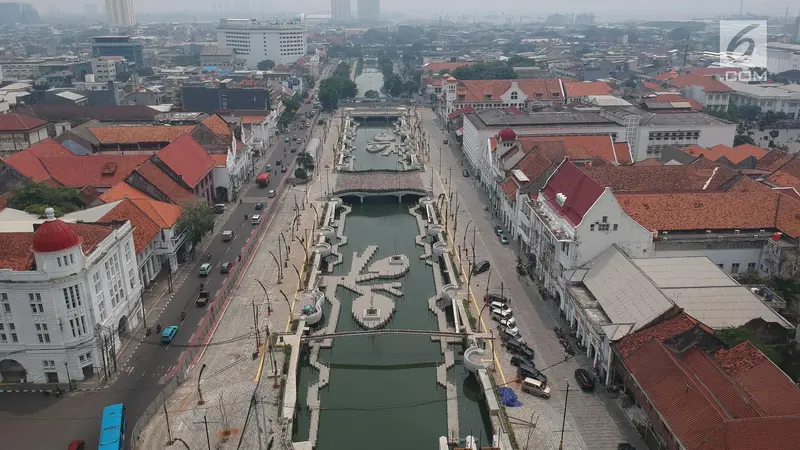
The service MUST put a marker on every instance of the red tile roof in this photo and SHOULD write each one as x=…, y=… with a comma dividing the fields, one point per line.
x=651, y=86
x=733, y=154
x=509, y=187
x=165, y=215
x=732, y=398
x=769, y=387
x=28, y=165
x=460, y=111
x=648, y=162
x=708, y=84
x=622, y=153
x=577, y=147
x=98, y=170
x=485, y=90
x=774, y=159
x=144, y=229
x=48, y=147
x=218, y=126
x=437, y=67
x=19, y=122
x=661, y=331
x=514, y=110
x=713, y=71
x=577, y=89
x=676, y=98
x=666, y=75
x=128, y=134
x=681, y=400
x=534, y=165
x=660, y=178
x=759, y=433
x=161, y=181
x=581, y=192
x=188, y=159
x=15, y=251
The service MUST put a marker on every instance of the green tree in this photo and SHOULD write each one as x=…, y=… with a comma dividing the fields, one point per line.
x=146, y=72
x=300, y=173
x=443, y=71
x=34, y=198
x=196, y=221
x=342, y=70
x=329, y=98
x=349, y=89
x=123, y=77
x=305, y=160
x=266, y=64
x=372, y=93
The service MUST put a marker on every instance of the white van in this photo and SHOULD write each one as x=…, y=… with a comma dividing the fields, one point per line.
x=256, y=219
x=535, y=387
x=227, y=236
x=500, y=315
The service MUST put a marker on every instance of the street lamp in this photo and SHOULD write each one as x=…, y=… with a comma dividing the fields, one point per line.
x=464, y=241
x=269, y=306
x=69, y=378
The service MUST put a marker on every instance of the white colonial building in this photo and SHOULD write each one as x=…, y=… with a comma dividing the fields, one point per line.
x=67, y=294
x=256, y=41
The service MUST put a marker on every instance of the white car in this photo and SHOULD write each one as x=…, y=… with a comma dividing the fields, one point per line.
x=509, y=323
x=500, y=306
x=271, y=193
x=501, y=315
x=513, y=331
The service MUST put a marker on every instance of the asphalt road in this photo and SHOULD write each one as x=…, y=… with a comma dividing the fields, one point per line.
x=33, y=421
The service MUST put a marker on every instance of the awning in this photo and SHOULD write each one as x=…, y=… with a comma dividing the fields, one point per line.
x=460, y=131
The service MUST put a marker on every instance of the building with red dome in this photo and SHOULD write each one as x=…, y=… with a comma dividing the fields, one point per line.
x=60, y=282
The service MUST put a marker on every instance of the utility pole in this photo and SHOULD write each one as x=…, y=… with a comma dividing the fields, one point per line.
x=205, y=422
x=488, y=282
x=564, y=417
x=255, y=327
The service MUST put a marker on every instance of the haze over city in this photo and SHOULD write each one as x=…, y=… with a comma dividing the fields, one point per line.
x=616, y=9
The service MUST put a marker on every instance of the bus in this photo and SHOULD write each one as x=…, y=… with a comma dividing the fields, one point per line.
x=112, y=429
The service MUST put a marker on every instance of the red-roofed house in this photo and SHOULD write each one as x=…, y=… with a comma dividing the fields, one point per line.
x=576, y=90
x=713, y=94
x=485, y=94
x=18, y=132
x=744, y=156
x=191, y=163
x=734, y=399
x=573, y=220
x=62, y=281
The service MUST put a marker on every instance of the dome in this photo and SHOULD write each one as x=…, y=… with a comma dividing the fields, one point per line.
x=53, y=235
x=507, y=134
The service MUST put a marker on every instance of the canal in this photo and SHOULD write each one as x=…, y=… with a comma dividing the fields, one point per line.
x=379, y=160
x=383, y=389
x=370, y=79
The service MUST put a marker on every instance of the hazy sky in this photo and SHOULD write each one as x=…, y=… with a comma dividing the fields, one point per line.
x=607, y=9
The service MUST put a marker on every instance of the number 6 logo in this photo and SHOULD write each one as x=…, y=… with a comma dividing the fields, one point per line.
x=738, y=40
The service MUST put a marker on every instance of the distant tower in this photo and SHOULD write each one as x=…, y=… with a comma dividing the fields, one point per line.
x=120, y=14
x=340, y=11
x=796, y=34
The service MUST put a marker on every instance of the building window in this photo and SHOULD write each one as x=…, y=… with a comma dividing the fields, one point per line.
x=605, y=219
x=115, y=280
x=751, y=266
x=83, y=324
x=72, y=296
x=132, y=277
x=591, y=227
x=565, y=248
x=41, y=331
x=49, y=365
x=71, y=258
x=72, y=327
x=128, y=252
x=602, y=226
x=616, y=226
x=5, y=302
x=100, y=294
x=36, y=303
x=514, y=95
x=735, y=268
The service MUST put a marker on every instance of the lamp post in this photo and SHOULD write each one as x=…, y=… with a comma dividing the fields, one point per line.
x=464, y=241
x=302, y=245
x=564, y=417
x=286, y=248
x=269, y=306
x=69, y=378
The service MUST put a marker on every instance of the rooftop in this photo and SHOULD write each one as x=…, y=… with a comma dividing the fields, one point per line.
x=497, y=118
x=19, y=122
x=161, y=182
x=580, y=192
x=709, y=84
x=130, y=134
x=188, y=159
x=659, y=178
x=733, y=154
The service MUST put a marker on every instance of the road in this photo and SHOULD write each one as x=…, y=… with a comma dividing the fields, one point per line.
x=33, y=421
x=594, y=420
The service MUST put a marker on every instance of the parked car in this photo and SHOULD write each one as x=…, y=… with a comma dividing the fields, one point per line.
x=529, y=371
x=585, y=379
x=500, y=306
x=512, y=331
x=259, y=206
x=225, y=267
x=507, y=333
x=535, y=387
x=518, y=360
x=518, y=348
x=219, y=208
x=465, y=172
x=501, y=314
x=496, y=298
x=480, y=267
x=510, y=322
x=503, y=239
x=445, y=141
x=498, y=230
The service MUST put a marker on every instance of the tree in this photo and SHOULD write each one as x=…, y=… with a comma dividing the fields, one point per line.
x=34, y=198
x=123, y=77
x=146, y=72
x=196, y=221
x=372, y=93
x=328, y=98
x=342, y=70
x=266, y=64
x=773, y=134
x=300, y=173
x=349, y=89
x=305, y=160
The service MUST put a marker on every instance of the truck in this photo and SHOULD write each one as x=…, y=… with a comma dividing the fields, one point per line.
x=202, y=299
x=262, y=180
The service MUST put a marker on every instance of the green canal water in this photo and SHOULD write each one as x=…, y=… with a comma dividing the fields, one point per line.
x=383, y=389
x=370, y=79
x=365, y=160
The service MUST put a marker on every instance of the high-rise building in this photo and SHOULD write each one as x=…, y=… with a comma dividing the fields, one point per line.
x=120, y=14
x=122, y=46
x=256, y=41
x=340, y=11
x=13, y=13
x=369, y=11
x=796, y=34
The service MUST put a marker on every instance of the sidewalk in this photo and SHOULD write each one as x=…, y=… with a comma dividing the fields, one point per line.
x=234, y=378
